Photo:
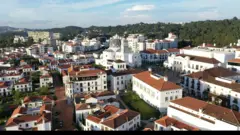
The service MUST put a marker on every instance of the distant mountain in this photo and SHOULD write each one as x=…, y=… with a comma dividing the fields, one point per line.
x=4, y=29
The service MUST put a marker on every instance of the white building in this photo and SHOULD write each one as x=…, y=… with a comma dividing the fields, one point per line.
x=113, y=119
x=167, y=123
x=121, y=79
x=20, y=39
x=39, y=49
x=90, y=45
x=86, y=104
x=12, y=77
x=220, y=82
x=5, y=89
x=202, y=115
x=169, y=42
x=155, y=89
x=46, y=80
x=23, y=85
x=85, y=81
x=31, y=117
x=155, y=56
x=234, y=64
x=119, y=50
x=136, y=42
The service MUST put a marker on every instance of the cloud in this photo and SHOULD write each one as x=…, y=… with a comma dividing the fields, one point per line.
x=141, y=8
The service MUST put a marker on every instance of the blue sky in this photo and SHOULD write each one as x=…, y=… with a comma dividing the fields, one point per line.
x=85, y=13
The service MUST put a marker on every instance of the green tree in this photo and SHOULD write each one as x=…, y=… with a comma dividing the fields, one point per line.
x=44, y=90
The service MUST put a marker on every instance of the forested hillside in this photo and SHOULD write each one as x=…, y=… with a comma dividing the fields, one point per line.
x=222, y=32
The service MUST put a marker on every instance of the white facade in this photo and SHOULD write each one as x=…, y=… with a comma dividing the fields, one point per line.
x=93, y=80
x=197, y=117
x=119, y=50
x=157, y=97
x=221, y=84
x=169, y=42
x=46, y=80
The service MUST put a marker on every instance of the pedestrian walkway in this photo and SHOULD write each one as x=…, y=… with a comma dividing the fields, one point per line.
x=119, y=99
x=66, y=110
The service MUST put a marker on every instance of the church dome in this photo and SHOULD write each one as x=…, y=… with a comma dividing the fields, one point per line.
x=115, y=43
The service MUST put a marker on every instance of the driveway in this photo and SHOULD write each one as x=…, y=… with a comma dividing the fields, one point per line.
x=66, y=110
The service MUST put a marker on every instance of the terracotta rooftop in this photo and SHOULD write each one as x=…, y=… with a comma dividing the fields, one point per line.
x=168, y=121
x=218, y=112
x=201, y=59
x=173, y=50
x=46, y=76
x=209, y=75
x=234, y=61
x=114, y=119
x=158, y=84
x=87, y=73
x=152, y=51
x=37, y=98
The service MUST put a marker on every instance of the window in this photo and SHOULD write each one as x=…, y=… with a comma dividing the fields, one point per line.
x=171, y=98
x=35, y=123
x=166, y=99
x=26, y=125
x=95, y=88
x=176, y=97
x=105, y=82
x=88, y=89
x=105, y=87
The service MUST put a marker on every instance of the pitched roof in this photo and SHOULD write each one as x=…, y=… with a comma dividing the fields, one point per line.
x=86, y=73
x=83, y=106
x=158, y=84
x=46, y=76
x=201, y=59
x=168, y=121
x=93, y=118
x=234, y=61
x=19, y=110
x=117, y=120
x=209, y=75
x=21, y=119
x=37, y=98
x=152, y=51
x=22, y=81
x=173, y=50
x=218, y=112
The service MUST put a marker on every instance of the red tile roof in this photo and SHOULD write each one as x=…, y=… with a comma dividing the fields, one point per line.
x=19, y=110
x=93, y=118
x=201, y=59
x=218, y=112
x=173, y=50
x=152, y=51
x=86, y=73
x=168, y=121
x=36, y=98
x=46, y=76
x=160, y=84
x=234, y=61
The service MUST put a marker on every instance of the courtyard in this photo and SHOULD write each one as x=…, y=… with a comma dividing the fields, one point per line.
x=134, y=102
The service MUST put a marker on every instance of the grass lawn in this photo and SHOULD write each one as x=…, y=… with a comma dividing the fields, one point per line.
x=134, y=102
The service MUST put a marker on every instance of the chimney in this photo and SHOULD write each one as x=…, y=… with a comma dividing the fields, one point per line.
x=150, y=69
x=204, y=45
x=165, y=78
x=200, y=110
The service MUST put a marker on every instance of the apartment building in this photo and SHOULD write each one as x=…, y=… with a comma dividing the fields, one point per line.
x=199, y=115
x=156, y=90
x=85, y=81
x=5, y=89
x=199, y=58
x=112, y=118
x=169, y=42
x=23, y=85
x=219, y=82
x=46, y=80
x=154, y=56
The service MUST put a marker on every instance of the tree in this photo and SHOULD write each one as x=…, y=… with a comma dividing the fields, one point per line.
x=17, y=97
x=44, y=90
x=39, y=40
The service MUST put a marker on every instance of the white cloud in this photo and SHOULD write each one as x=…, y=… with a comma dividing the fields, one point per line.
x=141, y=8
